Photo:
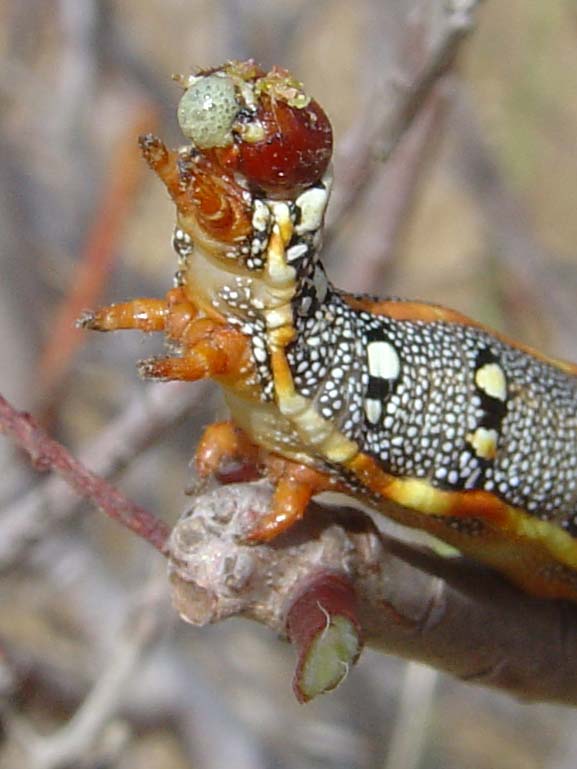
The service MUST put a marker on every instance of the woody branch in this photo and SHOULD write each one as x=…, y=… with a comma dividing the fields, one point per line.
x=447, y=613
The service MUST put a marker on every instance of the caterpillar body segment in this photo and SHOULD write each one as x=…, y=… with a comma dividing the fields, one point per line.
x=424, y=414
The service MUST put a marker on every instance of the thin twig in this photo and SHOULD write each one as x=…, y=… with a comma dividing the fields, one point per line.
x=71, y=745
x=388, y=204
x=449, y=615
x=48, y=454
x=417, y=699
x=405, y=100
x=509, y=225
x=92, y=272
x=146, y=419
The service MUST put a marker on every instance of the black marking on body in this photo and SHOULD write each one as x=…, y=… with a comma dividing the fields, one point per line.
x=495, y=408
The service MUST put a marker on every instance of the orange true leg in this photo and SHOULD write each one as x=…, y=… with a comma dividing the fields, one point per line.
x=210, y=349
x=295, y=487
x=141, y=314
x=294, y=484
x=201, y=362
x=222, y=445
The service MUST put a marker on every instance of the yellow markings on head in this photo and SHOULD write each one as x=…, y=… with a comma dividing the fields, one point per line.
x=283, y=222
x=490, y=378
x=484, y=442
x=277, y=271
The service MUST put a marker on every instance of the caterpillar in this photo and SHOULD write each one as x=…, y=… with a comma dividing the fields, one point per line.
x=427, y=416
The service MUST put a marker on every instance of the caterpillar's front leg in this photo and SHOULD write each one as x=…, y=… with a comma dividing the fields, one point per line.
x=170, y=314
x=295, y=485
x=141, y=314
x=224, y=446
x=209, y=349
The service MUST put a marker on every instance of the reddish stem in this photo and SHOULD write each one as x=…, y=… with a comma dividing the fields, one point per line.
x=48, y=454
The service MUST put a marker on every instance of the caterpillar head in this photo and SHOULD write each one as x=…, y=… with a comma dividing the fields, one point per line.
x=260, y=127
x=252, y=135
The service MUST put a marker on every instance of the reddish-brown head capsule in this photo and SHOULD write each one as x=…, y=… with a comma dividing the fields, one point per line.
x=261, y=126
x=294, y=153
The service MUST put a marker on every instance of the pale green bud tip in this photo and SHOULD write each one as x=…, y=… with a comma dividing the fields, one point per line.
x=329, y=658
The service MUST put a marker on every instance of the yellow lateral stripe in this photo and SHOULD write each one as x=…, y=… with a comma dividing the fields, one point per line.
x=418, y=495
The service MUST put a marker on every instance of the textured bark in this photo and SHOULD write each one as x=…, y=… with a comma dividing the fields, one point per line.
x=448, y=613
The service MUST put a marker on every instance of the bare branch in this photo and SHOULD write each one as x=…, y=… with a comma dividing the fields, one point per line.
x=510, y=226
x=144, y=422
x=451, y=615
x=86, y=732
x=404, y=101
x=447, y=613
x=48, y=454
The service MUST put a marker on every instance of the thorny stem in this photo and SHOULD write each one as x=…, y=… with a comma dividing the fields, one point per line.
x=48, y=454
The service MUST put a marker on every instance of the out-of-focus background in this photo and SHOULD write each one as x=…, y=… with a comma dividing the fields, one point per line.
x=475, y=209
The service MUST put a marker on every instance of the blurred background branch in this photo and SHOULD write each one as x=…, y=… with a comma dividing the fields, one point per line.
x=474, y=208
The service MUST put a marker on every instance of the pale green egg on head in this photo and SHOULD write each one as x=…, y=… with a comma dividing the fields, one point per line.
x=208, y=110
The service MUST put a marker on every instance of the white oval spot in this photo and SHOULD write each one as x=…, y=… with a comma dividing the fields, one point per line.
x=296, y=251
x=384, y=361
x=373, y=410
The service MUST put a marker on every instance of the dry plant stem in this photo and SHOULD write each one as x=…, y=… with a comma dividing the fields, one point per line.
x=146, y=419
x=392, y=197
x=168, y=690
x=357, y=167
x=72, y=744
x=98, y=256
x=47, y=454
x=449, y=614
x=509, y=225
x=408, y=742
